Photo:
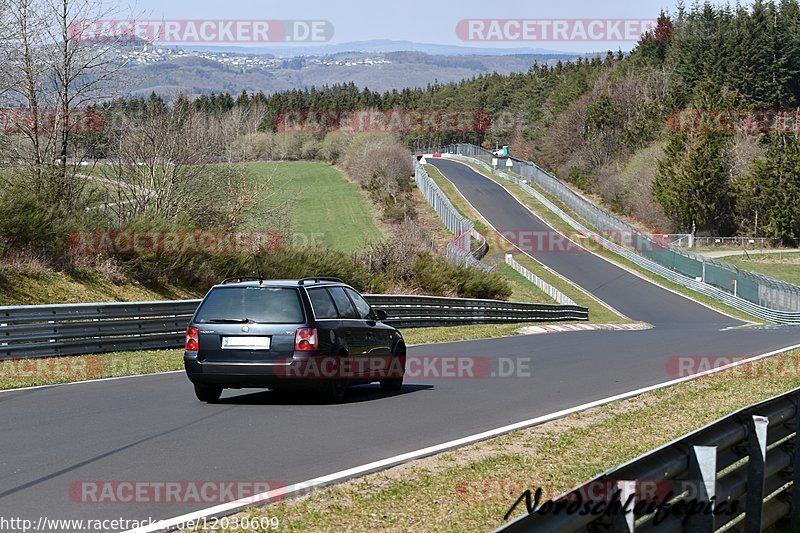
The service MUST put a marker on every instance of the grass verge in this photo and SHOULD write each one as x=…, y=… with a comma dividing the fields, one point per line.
x=472, y=488
x=19, y=373
x=522, y=289
x=60, y=287
x=783, y=266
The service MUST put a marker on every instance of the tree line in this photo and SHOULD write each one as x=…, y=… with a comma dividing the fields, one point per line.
x=591, y=119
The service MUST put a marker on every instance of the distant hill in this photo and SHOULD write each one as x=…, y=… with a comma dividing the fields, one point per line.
x=168, y=70
x=380, y=46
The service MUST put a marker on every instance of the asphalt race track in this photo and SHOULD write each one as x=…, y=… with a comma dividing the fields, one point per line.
x=151, y=428
x=627, y=293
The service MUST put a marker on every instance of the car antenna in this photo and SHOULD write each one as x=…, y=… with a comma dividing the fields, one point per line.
x=258, y=269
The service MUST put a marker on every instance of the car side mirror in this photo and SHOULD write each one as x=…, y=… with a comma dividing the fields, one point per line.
x=381, y=314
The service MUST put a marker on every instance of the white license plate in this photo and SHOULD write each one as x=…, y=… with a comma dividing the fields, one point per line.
x=246, y=343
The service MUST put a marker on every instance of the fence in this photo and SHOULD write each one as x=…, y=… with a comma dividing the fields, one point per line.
x=753, y=293
x=747, y=464
x=749, y=243
x=685, y=240
x=71, y=329
x=458, y=251
x=551, y=291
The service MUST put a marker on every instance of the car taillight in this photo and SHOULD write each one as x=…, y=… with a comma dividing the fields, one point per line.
x=192, y=339
x=305, y=340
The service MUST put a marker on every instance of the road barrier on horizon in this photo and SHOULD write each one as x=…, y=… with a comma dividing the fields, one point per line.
x=74, y=329
x=747, y=463
x=752, y=293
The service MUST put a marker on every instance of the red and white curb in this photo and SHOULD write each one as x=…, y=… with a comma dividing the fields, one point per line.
x=567, y=328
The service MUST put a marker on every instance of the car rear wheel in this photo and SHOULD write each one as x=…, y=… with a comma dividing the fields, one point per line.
x=334, y=391
x=208, y=393
x=336, y=388
x=395, y=383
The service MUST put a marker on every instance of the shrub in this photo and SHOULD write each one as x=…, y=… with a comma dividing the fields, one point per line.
x=333, y=146
x=435, y=276
x=382, y=165
x=296, y=263
x=27, y=223
x=472, y=283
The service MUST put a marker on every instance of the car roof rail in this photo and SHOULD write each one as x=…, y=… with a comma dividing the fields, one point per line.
x=240, y=279
x=318, y=279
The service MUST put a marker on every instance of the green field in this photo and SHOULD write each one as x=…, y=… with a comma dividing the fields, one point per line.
x=785, y=266
x=324, y=207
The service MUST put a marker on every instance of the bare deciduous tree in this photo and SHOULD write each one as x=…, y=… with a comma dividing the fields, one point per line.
x=50, y=71
x=170, y=162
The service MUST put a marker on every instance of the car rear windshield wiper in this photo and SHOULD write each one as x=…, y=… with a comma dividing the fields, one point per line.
x=228, y=321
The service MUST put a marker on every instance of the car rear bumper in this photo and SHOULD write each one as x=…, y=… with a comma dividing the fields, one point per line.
x=305, y=372
x=244, y=374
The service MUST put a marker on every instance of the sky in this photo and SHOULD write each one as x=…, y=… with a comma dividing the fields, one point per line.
x=414, y=20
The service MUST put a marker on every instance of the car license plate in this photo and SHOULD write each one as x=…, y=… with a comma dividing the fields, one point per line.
x=246, y=343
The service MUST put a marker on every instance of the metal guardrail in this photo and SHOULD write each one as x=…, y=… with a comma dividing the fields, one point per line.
x=551, y=291
x=483, y=245
x=428, y=311
x=72, y=329
x=48, y=330
x=458, y=251
x=747, y=464
x=458, y=225
x=698, y=285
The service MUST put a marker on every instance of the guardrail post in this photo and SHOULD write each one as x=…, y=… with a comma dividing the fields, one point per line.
x=624, y=522
x=703, y=477
x=757, y=444
x=795, y=513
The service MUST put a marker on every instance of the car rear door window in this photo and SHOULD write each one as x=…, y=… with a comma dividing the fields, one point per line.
x=343, y=303
x=265, y=305
x=322, y=303
x=362, y=307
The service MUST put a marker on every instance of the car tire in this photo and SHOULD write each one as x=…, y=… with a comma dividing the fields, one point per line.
x=395, y=384
x=335, y=389
x=208, y=393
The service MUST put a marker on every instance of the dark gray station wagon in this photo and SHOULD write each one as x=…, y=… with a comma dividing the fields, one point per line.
x=315, y=333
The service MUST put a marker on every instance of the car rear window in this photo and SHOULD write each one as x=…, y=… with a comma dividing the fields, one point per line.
x=266, y=305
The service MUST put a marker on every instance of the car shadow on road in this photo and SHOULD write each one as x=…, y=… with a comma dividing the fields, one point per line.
x=356, y=394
